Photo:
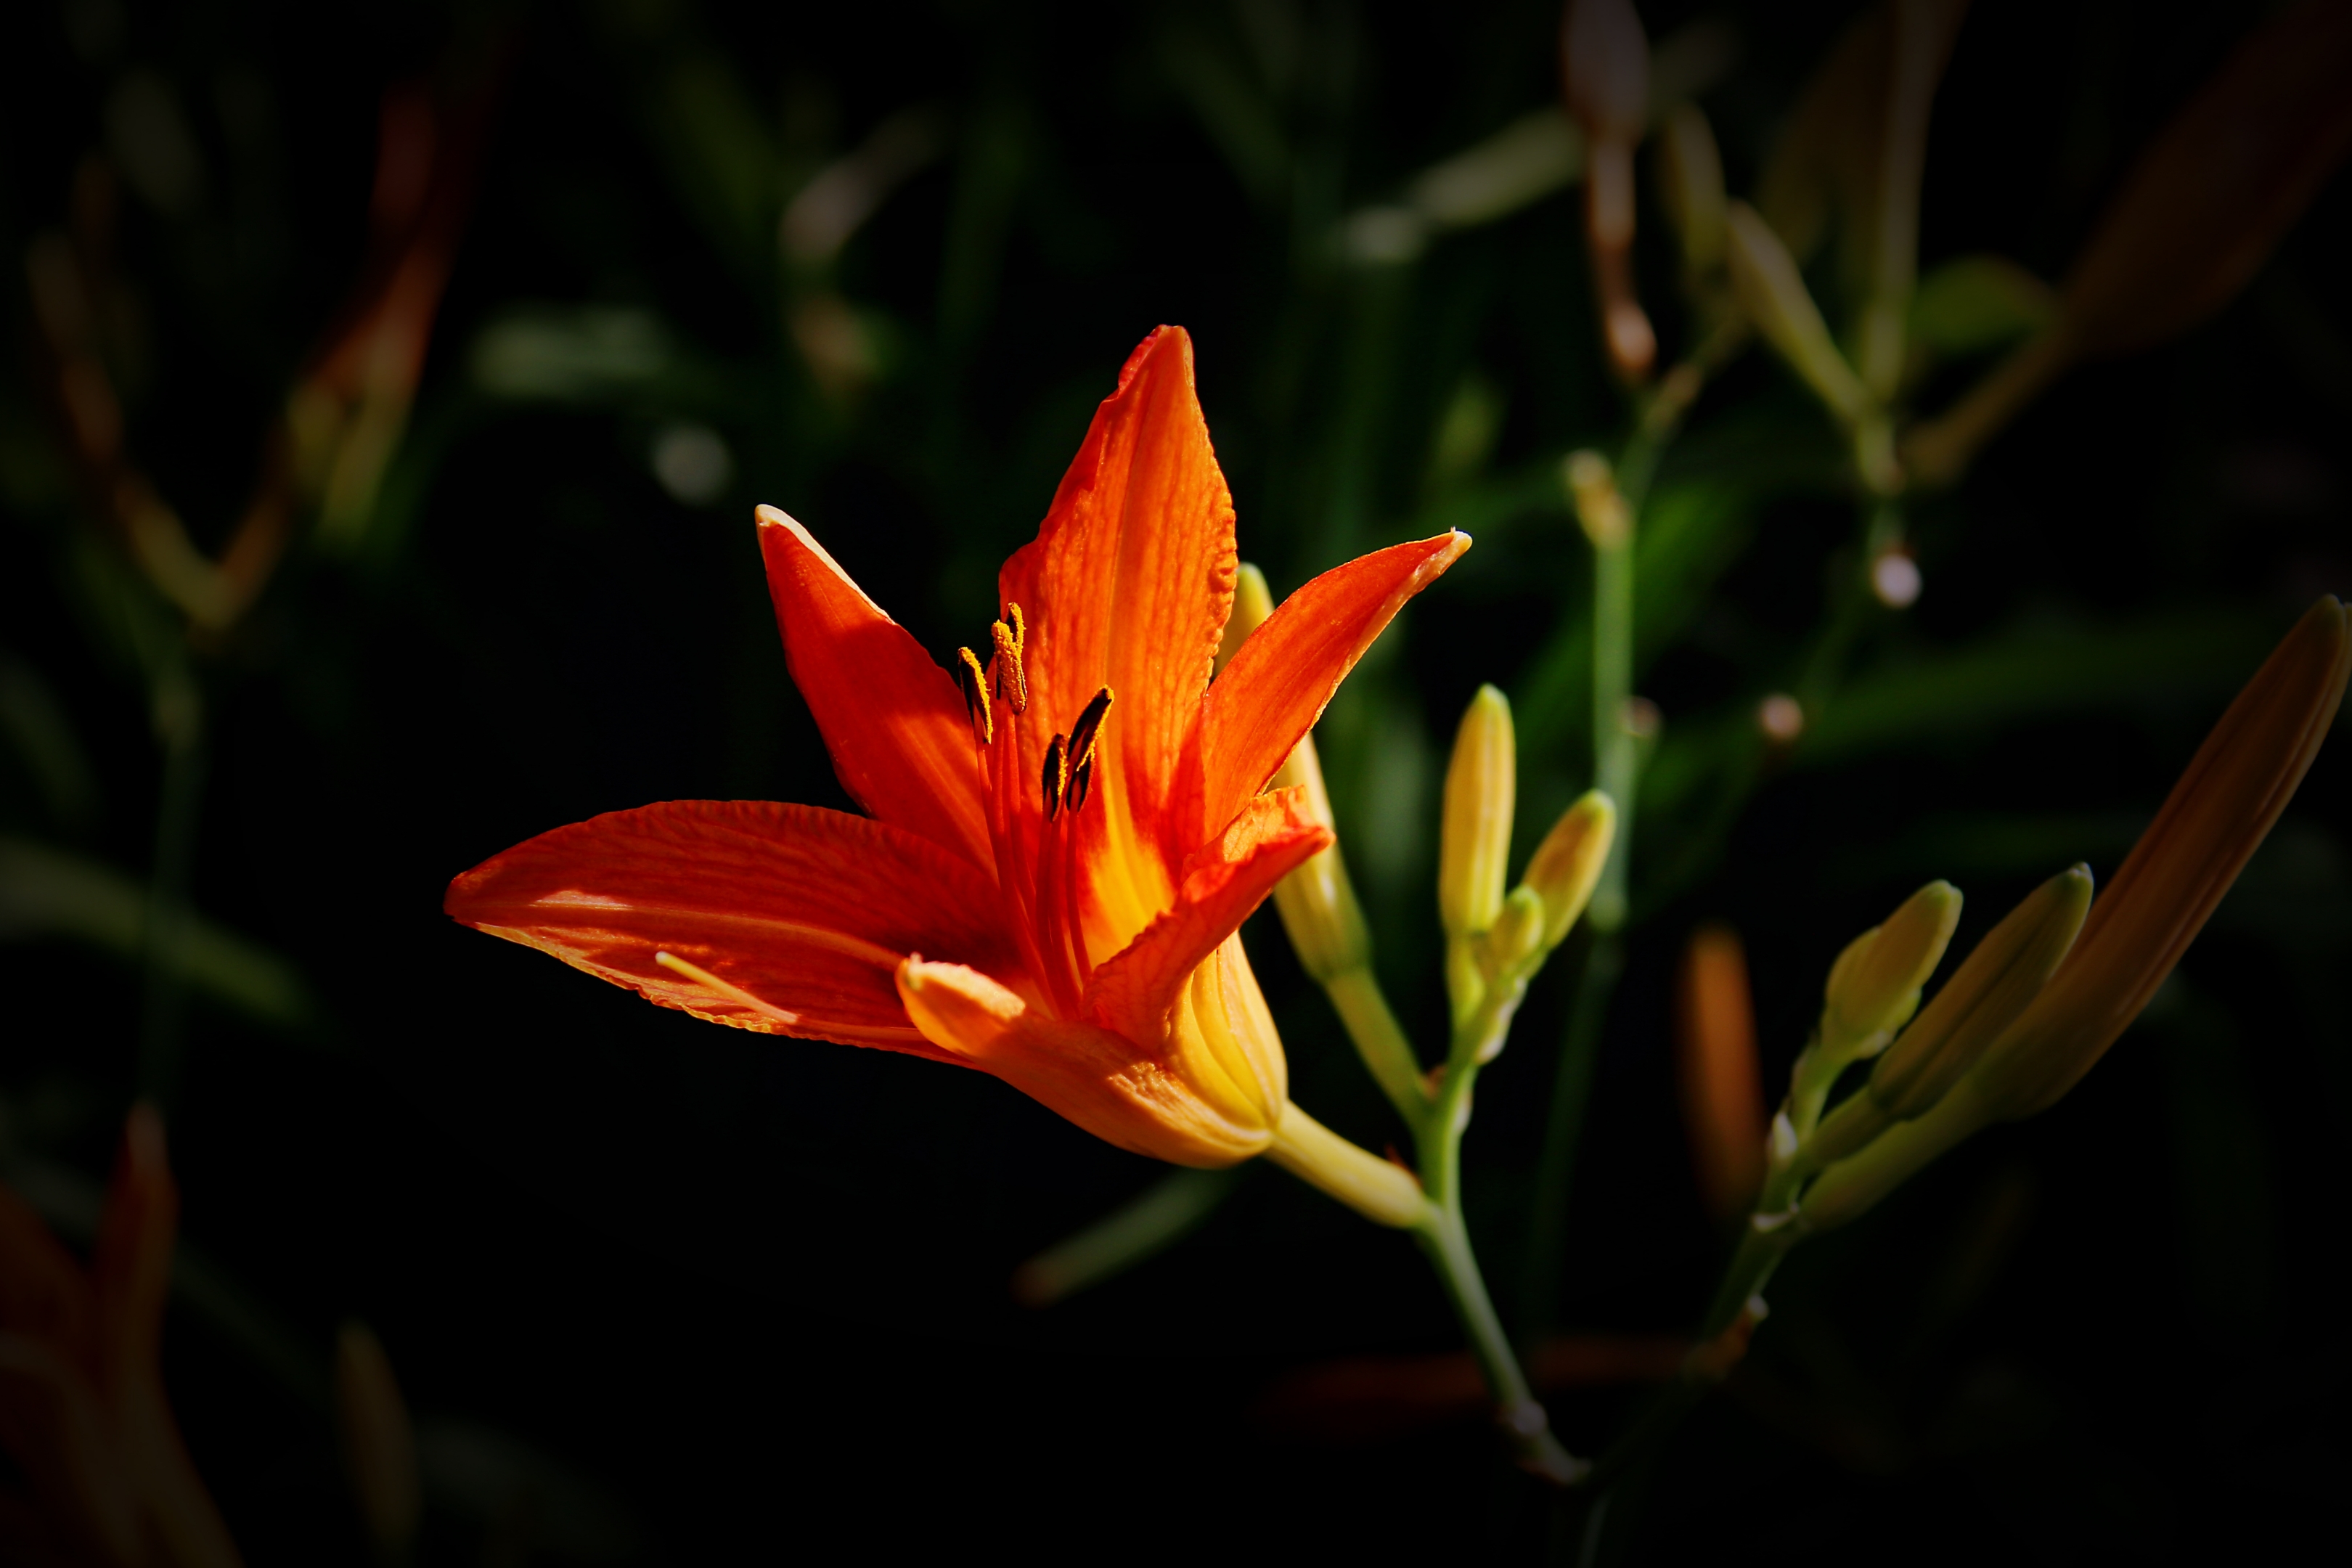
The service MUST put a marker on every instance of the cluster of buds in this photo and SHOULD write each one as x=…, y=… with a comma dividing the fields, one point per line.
x=2052, y=986
x=1497, y=941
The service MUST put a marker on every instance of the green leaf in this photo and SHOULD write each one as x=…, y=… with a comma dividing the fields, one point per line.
x=1973, y=304
x=36, y=725
x=50, y=892
x=1165, y=1211
x=2032, y=672
x=1689, y=535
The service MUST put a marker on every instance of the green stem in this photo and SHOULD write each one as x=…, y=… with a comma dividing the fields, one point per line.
x=1751, y=1268
x=179, y=725
x=1615, y=761
x=1445, y=1239
x=1381, y=1041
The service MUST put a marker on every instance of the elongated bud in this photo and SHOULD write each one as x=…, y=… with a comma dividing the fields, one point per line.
x=1765, y=278
x=1317, y=903
x=1874, y=985
x=1715, y=1067
x=1600, y=508
x=1474, y=842
x=1983, y=997
x=378, y=1446
x=1253, y=603
x=1566, y=866
x=1605, y=63
x=1518, y=933
x=1919, y=41
x=1690, y=182
x=2220, y=812
x=2211, y=823
x=1605, y=67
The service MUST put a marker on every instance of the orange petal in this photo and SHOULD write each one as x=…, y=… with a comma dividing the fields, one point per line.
x=1277, y=683
x=802, y=914
x=1092, y=1077
x=1128, y=583
x=900, y=742
x=1138, y=991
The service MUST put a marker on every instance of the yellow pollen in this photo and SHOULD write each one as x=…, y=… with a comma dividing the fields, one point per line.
x=1057, y=776
x=973, y=682
x=1012, y=680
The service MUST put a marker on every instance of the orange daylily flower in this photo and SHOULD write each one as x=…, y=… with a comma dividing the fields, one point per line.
x=1063, y=837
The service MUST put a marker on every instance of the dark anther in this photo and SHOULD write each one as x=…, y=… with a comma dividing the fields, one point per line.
x=1057, y=776
x=1082, y=778
x=1082, y=733
x=972, y=681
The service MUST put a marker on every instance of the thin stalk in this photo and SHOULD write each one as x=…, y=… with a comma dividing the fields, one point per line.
x=179, y=726
x=1615, y=762
x=1445, y=1239
x=1381, y=1041
x=1722, y=1341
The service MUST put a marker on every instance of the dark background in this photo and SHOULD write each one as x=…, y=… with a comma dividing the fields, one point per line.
x=715, y=1294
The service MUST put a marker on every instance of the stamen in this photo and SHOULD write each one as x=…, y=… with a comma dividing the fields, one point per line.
x=973, y=682
x=1082, y=733
x=1082, y=779
x=1057, y=776
x=867, y=1033
x=1012, y=680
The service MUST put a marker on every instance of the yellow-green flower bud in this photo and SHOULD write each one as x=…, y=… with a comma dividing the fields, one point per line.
x=1566, y=864
x=1518, y=933
x=1253, y=603
x=2214, y=819
x=1983, y=997
x=1874, y=985
x=1600, y=508
x=1474, y=841
x=1772, y=292
x=2212, y=822
x=1317, y=902
x=1690, y=184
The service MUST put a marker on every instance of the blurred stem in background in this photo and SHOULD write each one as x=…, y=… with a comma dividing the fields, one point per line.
x=324, y=456
x=179, y=722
